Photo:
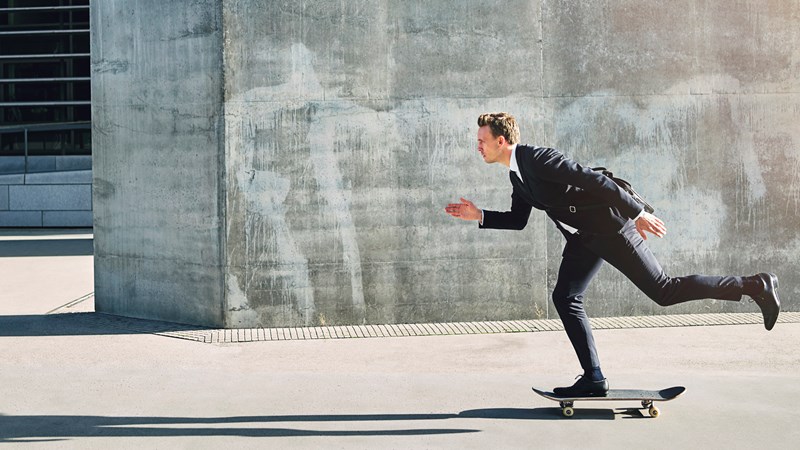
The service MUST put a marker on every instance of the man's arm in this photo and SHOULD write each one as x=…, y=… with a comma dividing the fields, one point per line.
x=551, y=165
x=515, y=219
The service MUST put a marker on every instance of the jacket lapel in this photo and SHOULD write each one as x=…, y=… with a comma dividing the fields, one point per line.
x=522, y=189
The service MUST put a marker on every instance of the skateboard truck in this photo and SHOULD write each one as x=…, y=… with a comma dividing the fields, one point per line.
x=567, y=409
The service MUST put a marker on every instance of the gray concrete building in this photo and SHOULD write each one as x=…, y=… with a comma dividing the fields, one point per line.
x=288, y=163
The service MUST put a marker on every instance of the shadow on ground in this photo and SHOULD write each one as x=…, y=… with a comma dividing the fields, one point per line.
x=57, y=428
x=84, y=324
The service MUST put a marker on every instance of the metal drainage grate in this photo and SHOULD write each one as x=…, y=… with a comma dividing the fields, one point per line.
x=97, y=323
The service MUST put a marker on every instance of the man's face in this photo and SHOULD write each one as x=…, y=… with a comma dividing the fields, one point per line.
x=489, y=146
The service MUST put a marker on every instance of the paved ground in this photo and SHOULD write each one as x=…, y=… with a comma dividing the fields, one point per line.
x=69, y=382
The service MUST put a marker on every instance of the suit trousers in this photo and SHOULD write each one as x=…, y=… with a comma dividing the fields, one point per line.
x=628, y=252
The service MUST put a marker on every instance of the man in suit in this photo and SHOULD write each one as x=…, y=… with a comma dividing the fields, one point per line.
x=601, y=222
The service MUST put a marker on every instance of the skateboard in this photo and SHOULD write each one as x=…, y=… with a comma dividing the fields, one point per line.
x=646, y=397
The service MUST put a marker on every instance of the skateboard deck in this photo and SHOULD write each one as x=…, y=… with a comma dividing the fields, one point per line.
x=645, y=397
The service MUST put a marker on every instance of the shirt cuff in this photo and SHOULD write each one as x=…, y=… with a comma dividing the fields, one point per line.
x=481, y=222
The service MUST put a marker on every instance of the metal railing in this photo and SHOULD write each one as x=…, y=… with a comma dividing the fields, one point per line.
x=66, y=126
x=41, y=8
x=53, y=103
x=13, y=33
x=43, y=80
x=44, y=56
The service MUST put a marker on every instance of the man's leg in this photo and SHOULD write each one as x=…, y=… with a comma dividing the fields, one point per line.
x=628, y=252
x=578, y=267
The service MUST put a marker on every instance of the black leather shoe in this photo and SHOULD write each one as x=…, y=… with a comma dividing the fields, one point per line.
x=584, y=387
x=768, y=299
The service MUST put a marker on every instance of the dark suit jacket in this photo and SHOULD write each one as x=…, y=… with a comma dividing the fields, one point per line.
x=553, y=183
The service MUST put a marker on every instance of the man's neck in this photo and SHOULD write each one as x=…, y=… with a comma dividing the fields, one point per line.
x=505, y=158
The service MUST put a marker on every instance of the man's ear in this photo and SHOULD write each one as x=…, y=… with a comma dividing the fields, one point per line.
x=502, y=141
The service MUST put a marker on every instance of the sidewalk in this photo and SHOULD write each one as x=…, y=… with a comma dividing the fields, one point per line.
x=69, y=382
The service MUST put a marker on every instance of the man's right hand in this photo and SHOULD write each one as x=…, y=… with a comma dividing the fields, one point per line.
x=466, y=210
x=651, y=224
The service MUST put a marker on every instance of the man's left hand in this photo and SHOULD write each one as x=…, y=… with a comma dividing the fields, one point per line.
x=651, y=224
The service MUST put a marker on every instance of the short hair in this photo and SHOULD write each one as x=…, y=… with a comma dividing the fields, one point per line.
x=501, y=124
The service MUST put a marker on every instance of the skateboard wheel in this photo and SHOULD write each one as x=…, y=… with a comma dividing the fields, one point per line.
x=654, y=412
x=567, y=411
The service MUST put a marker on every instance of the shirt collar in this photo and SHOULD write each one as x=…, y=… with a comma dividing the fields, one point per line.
x=513, y=162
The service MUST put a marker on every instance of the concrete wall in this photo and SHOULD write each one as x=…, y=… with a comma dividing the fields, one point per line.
x=317, y=187
x=157, y=123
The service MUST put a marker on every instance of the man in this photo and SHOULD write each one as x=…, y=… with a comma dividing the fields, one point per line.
x=601, y=222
